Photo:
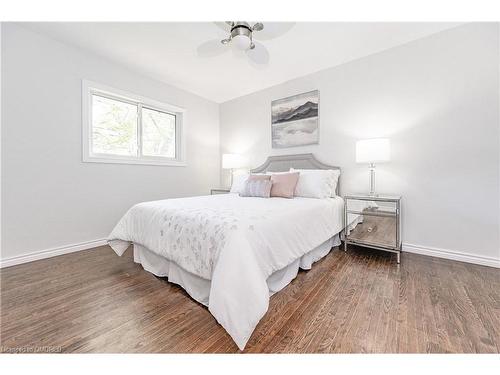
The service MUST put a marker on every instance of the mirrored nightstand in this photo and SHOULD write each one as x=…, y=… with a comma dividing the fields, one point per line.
x=374, y=221
x=219, y=191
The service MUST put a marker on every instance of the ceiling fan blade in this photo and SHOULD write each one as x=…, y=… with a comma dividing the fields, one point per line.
x=211, y=48
x=259, y=55
x=273, y=30
x=226, y=25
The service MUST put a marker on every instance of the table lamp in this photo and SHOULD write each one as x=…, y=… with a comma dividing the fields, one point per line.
x=232, y=162
x=373, y=151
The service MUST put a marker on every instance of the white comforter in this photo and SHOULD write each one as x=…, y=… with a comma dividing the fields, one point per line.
x=235, y=242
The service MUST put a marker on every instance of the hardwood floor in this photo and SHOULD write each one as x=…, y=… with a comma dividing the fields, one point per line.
x=360, y=301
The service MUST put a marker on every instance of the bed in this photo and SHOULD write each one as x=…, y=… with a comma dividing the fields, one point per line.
x=231, y=253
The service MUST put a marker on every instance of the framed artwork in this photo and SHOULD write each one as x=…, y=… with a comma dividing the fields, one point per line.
x=295, y=120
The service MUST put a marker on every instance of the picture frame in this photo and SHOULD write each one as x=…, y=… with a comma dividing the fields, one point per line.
x=295, y=120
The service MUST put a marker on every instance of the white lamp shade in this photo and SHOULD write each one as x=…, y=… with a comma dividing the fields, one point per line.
x=231, y=161
x=373, y=150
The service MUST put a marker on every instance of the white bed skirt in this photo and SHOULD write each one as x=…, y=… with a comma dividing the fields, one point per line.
x=199, y=288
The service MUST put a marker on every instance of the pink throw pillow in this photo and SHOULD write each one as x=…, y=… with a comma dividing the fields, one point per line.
x=284, y=184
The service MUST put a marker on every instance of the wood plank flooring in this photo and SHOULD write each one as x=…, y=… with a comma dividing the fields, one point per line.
x=355, y=302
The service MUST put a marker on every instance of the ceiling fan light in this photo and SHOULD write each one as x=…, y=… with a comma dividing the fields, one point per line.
x=241, y=42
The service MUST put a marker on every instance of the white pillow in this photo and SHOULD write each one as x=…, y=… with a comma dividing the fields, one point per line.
x=271, y=173
x=239, y=182
x=316, y=183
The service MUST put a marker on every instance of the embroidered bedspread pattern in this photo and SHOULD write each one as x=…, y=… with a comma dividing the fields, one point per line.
x=235, y=242
x=188, y=231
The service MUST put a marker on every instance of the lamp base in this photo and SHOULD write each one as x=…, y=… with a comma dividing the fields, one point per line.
x=231, y=171
x=372, y=180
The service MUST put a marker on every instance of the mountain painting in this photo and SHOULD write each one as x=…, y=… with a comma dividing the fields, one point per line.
x=294, y=120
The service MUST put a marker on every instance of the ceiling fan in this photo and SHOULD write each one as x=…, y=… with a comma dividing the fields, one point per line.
x=241, y=40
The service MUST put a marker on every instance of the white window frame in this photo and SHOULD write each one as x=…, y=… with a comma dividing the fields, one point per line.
x=89, y=88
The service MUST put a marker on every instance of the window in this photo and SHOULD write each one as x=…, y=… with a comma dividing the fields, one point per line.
x=119, y=127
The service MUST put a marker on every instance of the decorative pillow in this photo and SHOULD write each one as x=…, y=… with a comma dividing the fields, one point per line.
x=257, y=188
x=284, y=184
x=316, y=183
x=239, y=181
x=271, y=173
x=259, y=177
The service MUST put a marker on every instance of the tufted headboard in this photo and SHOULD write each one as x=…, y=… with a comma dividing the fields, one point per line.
x=283, y=163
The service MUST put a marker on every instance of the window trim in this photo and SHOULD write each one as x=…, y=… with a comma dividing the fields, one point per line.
x=89, y=88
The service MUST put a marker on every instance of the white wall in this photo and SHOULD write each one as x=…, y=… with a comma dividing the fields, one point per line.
x=437, y=99
x=50, y=198
x=1, y=26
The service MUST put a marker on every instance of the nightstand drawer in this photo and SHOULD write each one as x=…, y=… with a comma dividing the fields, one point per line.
x=375, y=230
x=219, y=191
x=358, y=206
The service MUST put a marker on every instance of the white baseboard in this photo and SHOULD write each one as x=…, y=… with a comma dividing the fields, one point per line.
x=453, y=255
x=410, y=248
x=49, y=253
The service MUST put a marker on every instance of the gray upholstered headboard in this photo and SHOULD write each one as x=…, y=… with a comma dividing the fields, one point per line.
x=283, y=163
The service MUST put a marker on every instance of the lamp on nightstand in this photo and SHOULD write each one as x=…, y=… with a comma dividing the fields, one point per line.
x=232, y=162
x=373, y=151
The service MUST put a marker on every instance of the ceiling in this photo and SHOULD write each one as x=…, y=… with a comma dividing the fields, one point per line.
x=168, y=51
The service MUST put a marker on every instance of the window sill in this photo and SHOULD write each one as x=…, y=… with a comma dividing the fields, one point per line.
x=171, y=163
